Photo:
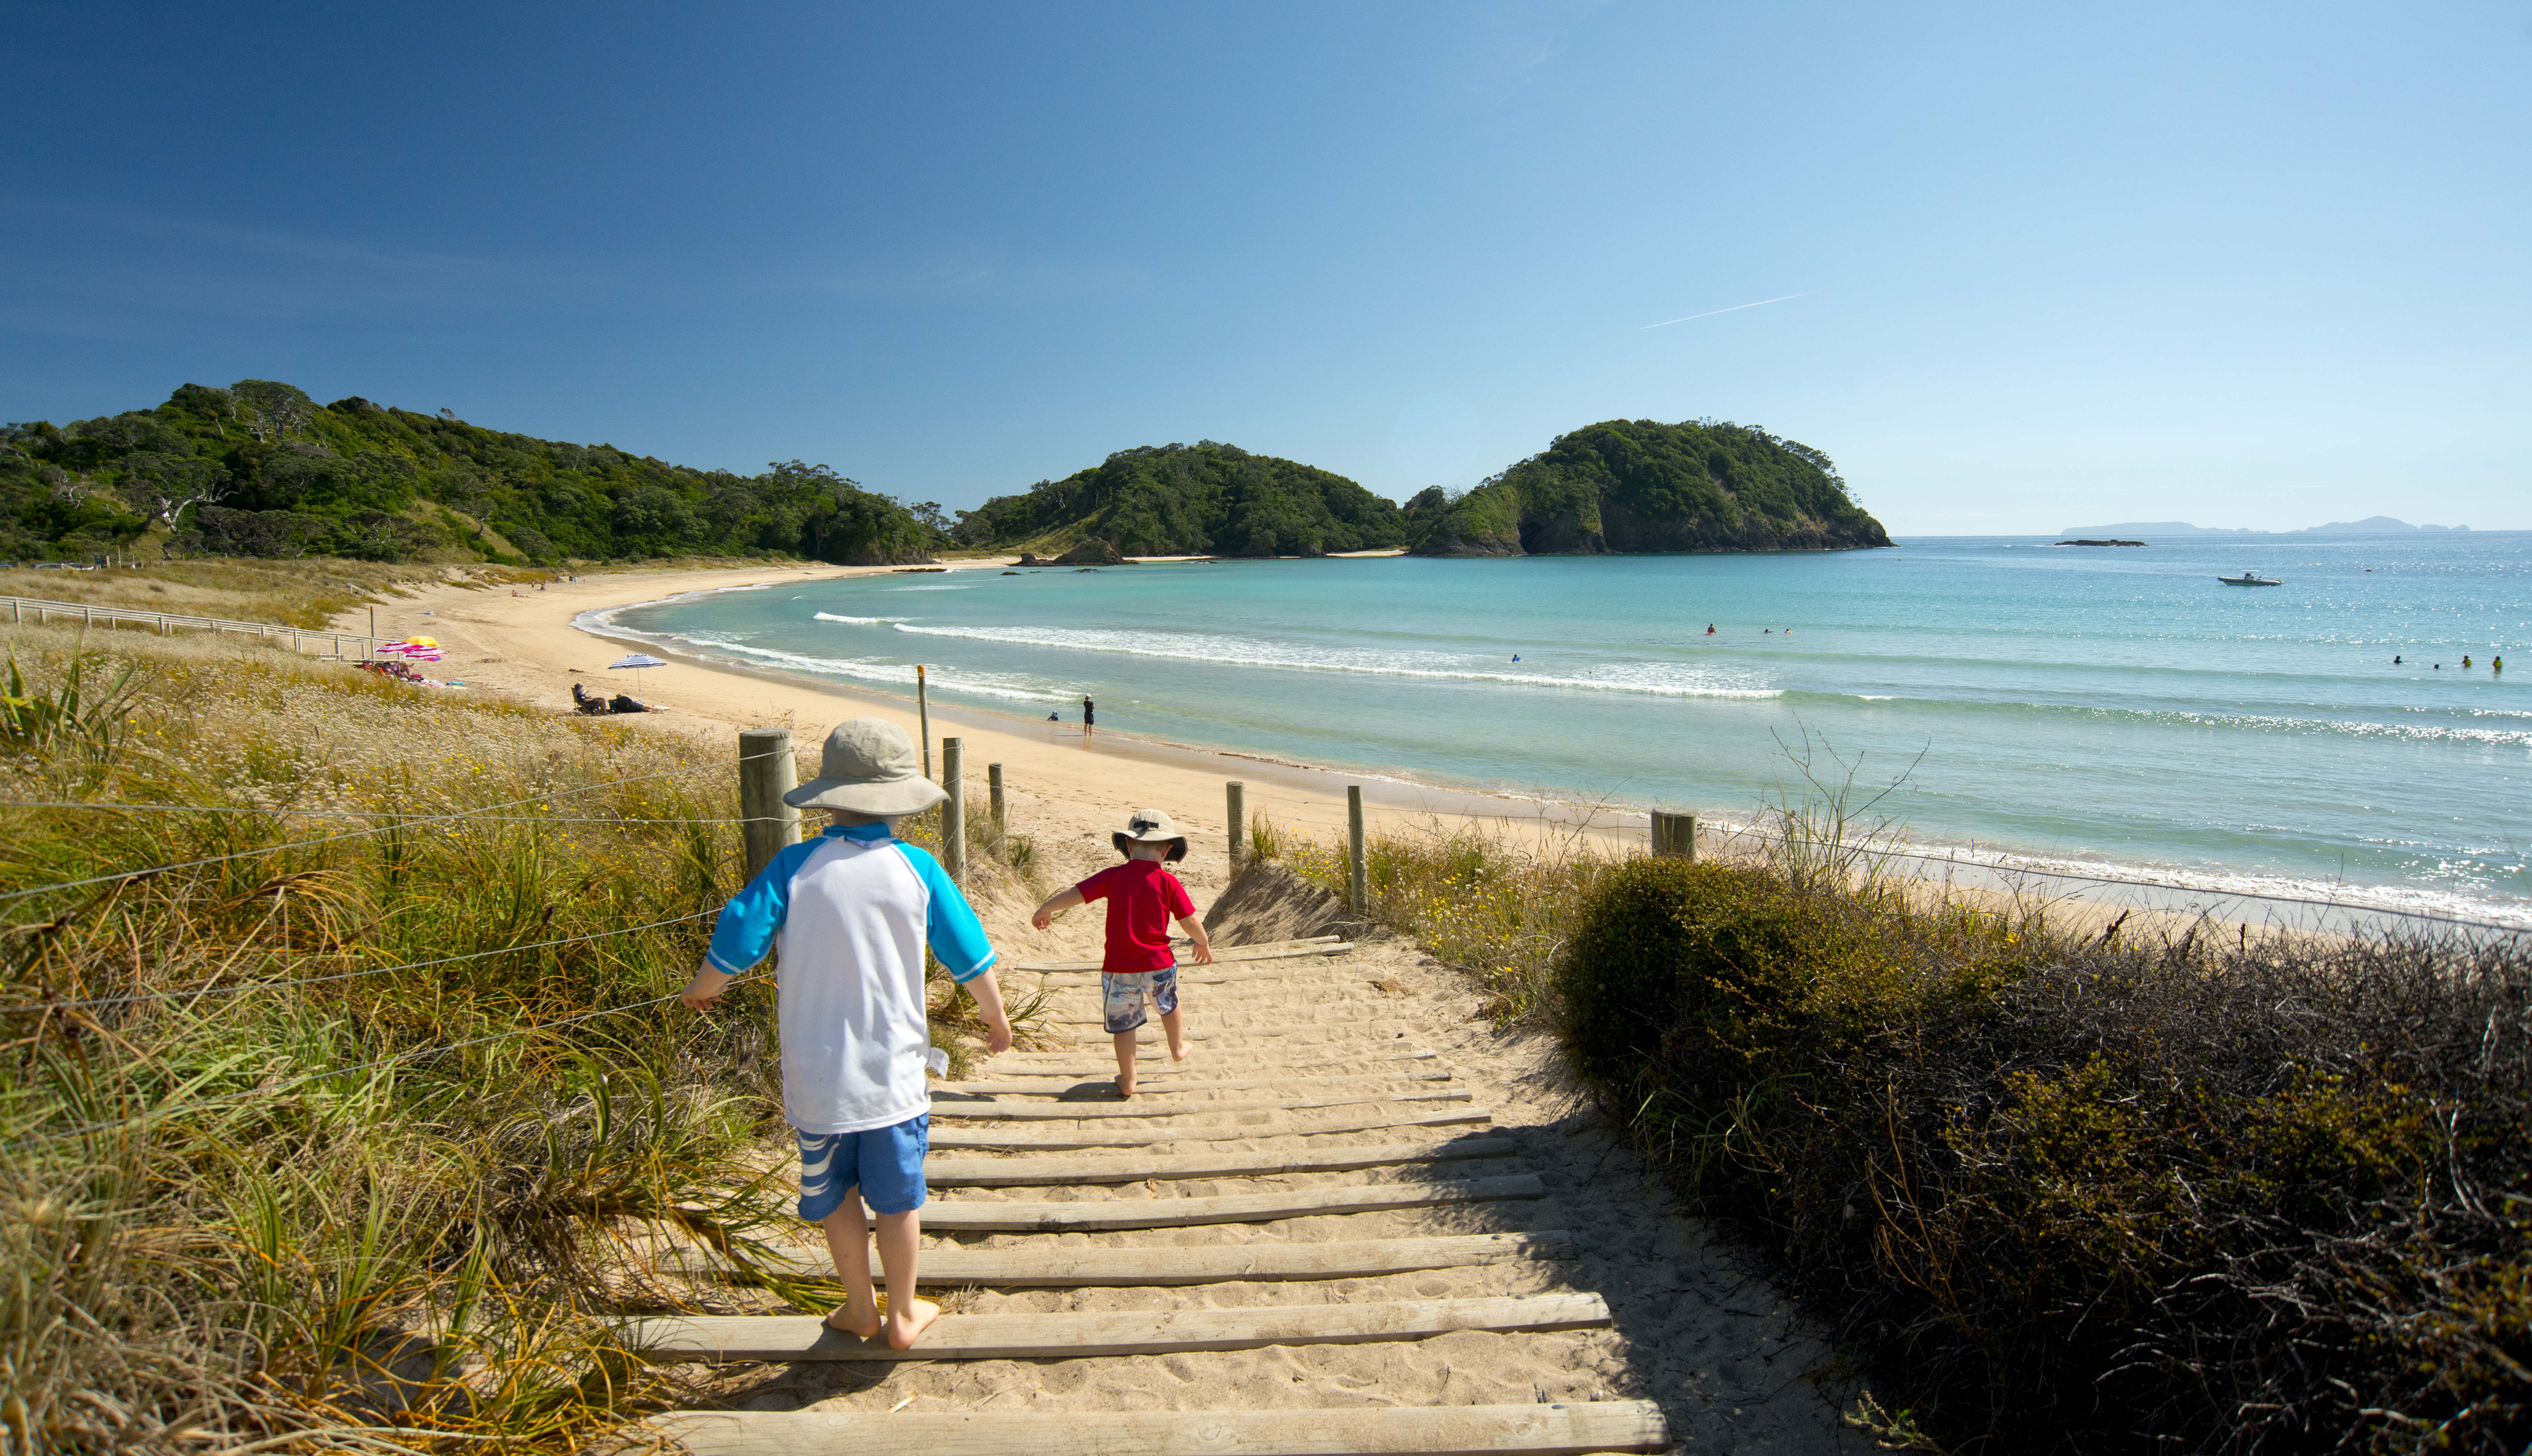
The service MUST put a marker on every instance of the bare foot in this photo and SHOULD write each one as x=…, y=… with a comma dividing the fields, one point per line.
x=844, y=1319
x=906, y=1328
x=1179, y=1053
x=1125, y=1087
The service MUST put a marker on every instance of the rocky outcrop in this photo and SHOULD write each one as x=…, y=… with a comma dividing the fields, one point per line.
x=1092, y=551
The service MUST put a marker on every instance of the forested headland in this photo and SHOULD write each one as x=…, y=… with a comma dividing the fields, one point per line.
x=1640, y=486
x=1201, y=500
x=1619, y=485
x=259, y=469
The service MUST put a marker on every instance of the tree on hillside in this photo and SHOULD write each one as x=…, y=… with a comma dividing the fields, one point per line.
x=173, y=485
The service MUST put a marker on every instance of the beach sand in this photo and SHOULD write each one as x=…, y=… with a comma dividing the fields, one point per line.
x=1062, y=786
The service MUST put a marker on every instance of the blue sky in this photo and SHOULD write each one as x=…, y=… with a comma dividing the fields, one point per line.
x=2055, y=265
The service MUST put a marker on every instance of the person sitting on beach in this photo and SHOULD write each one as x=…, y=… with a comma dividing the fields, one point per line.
x=1142, y=899
x=852, y=912
x=585, y=701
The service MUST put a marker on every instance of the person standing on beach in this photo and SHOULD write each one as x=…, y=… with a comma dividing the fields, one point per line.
x=852, y=912
x=1137, y=964
x=1089, y=715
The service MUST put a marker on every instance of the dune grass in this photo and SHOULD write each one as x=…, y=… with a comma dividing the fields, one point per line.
x=355, y=1120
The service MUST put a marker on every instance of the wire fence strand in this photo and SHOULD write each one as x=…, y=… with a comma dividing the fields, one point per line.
x=232, y=988
x=13, y=895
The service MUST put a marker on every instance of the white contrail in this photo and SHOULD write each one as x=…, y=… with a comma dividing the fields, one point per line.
x=1710, y=313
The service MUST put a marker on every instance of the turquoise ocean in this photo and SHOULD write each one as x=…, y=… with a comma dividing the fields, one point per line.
x=2108, y=709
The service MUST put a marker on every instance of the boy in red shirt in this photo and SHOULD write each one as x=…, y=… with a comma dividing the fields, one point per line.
x=1142, y=899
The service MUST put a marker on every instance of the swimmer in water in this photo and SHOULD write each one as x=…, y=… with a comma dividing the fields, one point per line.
x=1516, y=657
x=1709, y=629
x=2395, y=659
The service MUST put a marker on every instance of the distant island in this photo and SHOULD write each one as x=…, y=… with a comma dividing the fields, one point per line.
x=2370, y=526
x=1640, y=486
x=1618, y=486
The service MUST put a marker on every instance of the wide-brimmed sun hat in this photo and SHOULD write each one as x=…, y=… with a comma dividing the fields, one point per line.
x=1150, y=827
x=869, y=767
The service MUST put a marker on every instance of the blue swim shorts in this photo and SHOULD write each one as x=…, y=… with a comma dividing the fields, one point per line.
x=1122, y=994
x=884, y=1163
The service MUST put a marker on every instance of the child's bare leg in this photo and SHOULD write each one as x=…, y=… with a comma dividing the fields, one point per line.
x=901, y=1244
x=1174, y=1026
x=848, y=1241
x=1125, y=1062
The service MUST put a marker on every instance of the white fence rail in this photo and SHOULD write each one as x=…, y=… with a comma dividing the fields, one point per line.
x=320, y=642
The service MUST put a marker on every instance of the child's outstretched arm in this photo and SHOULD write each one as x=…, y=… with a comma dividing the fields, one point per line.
x=709, y=982
x=1055, y=904
x=1194, y=929
x=989, y=1000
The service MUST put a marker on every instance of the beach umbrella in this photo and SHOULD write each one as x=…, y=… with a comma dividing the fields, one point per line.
x=637, y=662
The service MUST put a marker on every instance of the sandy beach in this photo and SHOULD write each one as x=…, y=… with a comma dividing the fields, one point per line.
x=1064, y=786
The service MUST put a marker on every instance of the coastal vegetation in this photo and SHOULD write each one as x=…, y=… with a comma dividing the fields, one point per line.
x=259, y=469
x=2053, y=1190
x=1201, y=500
x=344, y=1102
x=1641, y=486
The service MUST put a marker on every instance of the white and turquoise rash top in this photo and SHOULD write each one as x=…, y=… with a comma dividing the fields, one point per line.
x=851, y=912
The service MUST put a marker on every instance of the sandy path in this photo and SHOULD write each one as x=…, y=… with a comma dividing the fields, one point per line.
x=1694, y=1329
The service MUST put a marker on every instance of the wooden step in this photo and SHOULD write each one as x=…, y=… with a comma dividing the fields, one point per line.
x=1045, y=1172
x=1077, y=1336
x=1106, y=1087
x=1354, y=1430
x=1231, y=956
x=1084, y=1063
x=1571, y=1429
x=1037, y=1266
x=1056, y=1112
x=1014, y=1217
x=1025, y=1136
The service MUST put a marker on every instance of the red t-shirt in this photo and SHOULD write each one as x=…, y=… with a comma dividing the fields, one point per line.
x=1141, y=898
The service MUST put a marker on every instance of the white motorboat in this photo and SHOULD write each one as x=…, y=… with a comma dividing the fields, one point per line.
x=2248, y=579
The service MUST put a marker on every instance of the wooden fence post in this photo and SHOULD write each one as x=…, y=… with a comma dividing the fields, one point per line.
x=1359, y=867
x=994, y=791
x=954, y=811
x=1234, y=804
x=766, y=772
x=1675, y=835
x=923, y=715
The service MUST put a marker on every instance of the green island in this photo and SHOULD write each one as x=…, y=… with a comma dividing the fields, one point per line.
x=1618, y=486
x=259, y=469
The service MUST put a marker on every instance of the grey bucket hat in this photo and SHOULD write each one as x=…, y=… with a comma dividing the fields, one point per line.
x=869, y=767
x=1150, y=827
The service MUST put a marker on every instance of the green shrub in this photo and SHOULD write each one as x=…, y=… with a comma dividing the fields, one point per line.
x=2266, y=1197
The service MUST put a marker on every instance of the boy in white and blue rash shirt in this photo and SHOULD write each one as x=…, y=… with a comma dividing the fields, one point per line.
x=851, y=911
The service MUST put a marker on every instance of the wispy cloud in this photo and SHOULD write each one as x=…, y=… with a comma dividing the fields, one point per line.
x=1734, y=309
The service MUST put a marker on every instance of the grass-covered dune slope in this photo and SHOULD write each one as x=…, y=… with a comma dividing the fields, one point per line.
x=1199, y=500
x=259, y=469
x=1640, y=485
x=362, y=1106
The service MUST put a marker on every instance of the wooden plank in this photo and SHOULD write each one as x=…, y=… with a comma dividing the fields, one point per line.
x=1098, y=1086
x=1016, y=1217
x=1225, y=957
x=1042, y=1268
x=1057, y=1172
x=1057, y=1112
x=1021, y=1136
x=1084, y=1063
x=1079, y=1336
x=1528, y=1430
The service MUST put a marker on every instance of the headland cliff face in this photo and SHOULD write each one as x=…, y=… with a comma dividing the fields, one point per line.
x=1641, y=486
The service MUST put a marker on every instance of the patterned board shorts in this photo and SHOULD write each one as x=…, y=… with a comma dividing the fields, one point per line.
x=1122, y=994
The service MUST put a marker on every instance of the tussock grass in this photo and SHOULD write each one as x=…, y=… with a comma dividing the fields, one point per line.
x=280, y=1179
x=1485, y=902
